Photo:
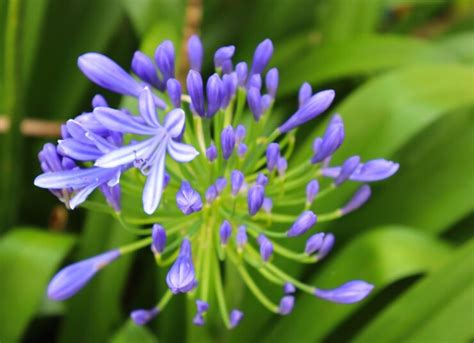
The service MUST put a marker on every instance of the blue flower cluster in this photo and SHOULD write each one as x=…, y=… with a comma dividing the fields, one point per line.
x=213, y=175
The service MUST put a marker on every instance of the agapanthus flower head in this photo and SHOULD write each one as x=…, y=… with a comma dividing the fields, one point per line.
x=211, y=137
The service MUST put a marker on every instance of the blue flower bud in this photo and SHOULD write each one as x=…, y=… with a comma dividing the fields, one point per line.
x=241, y=71
x=316, y=105
x=348, y=293
x=286, y=304
x=202, y=306
x=159, y=238
x=187, y=199
x=141, y=316
x=242, y=149
x=223, y=56
x=266, y=247
x=70, y=280
x=261, y=57
x=241, y=237
x=221, y=183
x=144, y=68
x=348, y=167
x=272, y=154
x=198, y=319
x=375, y=170
x=304, y=222
x=164, y=58
x=255, y=199
x=240, y=132
x=267, y=205
x=282, y=166
x=314, y=243
x=331, y=141
x=211, y=152
x=304, y=93
x=235, y=318
x=98, y=101
x=312, y=189
x=225, y=232
x=227, y=142
x=229, y=87
x=173, y=87
x=359, y=198
x=262, y=179
x=211, y=194
x=255, y=81
x=266, y=101
x=254, y=102
x=181, y=276
x=289, y=288
x=195, y=88
x=327, y=245
x=195, y=53
x=271, y=82
x=236, y=181
x=214, y=95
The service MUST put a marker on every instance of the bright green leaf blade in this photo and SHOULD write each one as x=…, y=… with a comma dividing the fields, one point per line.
x=28, y=258
x=461, y=44
x=439, y=308
x=381, y=257
x=130, y=332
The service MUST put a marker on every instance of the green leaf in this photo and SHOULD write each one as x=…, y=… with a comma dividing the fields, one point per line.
x=28, y=258
x=368, y=54
x=461, y=44
x=381, y=257
x=130, y=332
x=438, y=308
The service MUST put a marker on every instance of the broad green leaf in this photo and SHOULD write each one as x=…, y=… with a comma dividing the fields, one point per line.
x=434, y=187
x=28, y=258
x=131, y=332
x=381, y=257
x=438, y=308
x=96, y=308
x=460, y=44
x=368, y=54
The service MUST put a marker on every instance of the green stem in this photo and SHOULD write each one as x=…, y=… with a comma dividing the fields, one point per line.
x=164, y=301
x=135, y=245
x=220, y=294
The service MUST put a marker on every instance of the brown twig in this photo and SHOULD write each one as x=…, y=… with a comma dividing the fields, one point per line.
x=32, y=127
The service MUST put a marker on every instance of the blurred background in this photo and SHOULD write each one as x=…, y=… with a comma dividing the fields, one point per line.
x=404, y=77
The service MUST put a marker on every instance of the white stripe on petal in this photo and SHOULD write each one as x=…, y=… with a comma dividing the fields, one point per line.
x=126, y=154
x=147, y=107
x=181, y=152
x=154, y=182
x=174, y=122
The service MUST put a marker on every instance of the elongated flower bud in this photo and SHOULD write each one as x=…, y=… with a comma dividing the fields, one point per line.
x=312, y=189
x=240, y=132
x=331, y=141
x=211, y=193
x=195, y=53
x=225, y=232
x=98, y=101
x=304, y=222
x=214, y=94
x=273, y=154
x=282, y=166
x=289, y=288
x=255, y=81
x=142, y=317
x=144, y=68
x=173, y=88
x=164, y=58
x=187, y=199
x=255, y=199
x=266, y=247
x=267, y=205
x=223, y=56
x=70, y=280
x=271, y=82
x=314, y=243
x=221, y=183
x=235, y=317
x=304, y=93
x=348, y=293
x=286, y=304
x=375, y=170
x=262, y=180
x=195, y=88
x=211, y=152
x=241, y=71
x=326, y=246
x=229, y=87
x=347, y=169
x=159, y=238
x=181, y=276
x=236, y=181
x=241, y=149
x=241, y=237
x=359, y=198
x=316, y=105
x=227, y=141
x=254, y=102
x=261, y=57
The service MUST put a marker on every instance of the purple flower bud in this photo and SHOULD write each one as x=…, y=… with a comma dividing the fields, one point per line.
x=261, y=57
x=235, y=317
x=255, y=81
x=195, y=88
x=241, y=237
x=316, y=105
x=195, y=53
x=214, y=93
x=221, y=183
x=359, y=198
x=312, y=189
x=348, y=293
x=144, y=68
x=240, y=132
x=331, y=141
x=348, y=167
x=327, y=245
x=242, y=149
x=273, y=154
x=159, y=238
x=289, y=288
x=227, y=141
x=70, y=280
x=266, y=101
x=255, y=199
x=112, y=194
x=236, y=181
x=181, y=276
x=141, y=317
x=202, y=306
x=282, y=166
x=225, y=232
x=241, y=71
x=198, y=319
x=173, y=88
x=262, y=179
x=98, y=101
x=223, y=56
x=304, y=94
x=187, y=199
x=271, y=82
x=375, y=170
x=254, y=102
x=314, y=243
x=211, y=194
x=267, y=205
x=304, y=222
x=164, y=58
x=211, y=152
x=286, y=304
x=229, y=87
x=266, y=247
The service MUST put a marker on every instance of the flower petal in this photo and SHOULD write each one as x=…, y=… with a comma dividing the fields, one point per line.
x=181, y=152
x=119, y=121
x=147, y=108
x=76, y=178
x=154, y=182
x=81, y=195
x=78, y=150
x=127, y=154
x=174, y=122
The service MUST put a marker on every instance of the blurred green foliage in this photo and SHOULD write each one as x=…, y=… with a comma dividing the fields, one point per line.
x=404, y=76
